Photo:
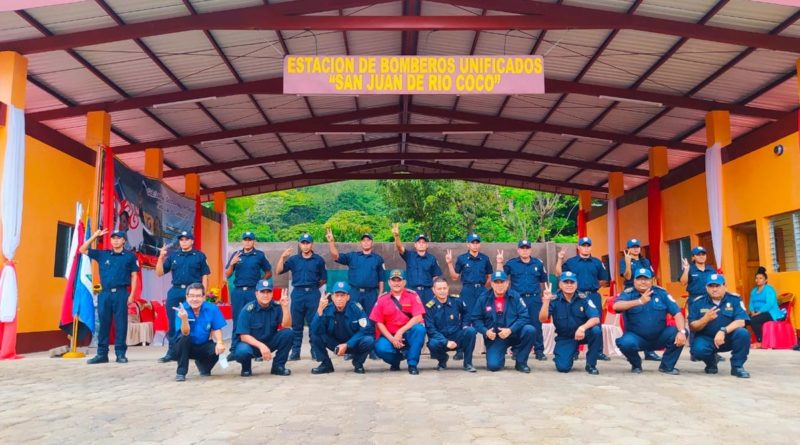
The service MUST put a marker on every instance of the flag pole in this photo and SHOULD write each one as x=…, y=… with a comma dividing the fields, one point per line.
x=73, y=342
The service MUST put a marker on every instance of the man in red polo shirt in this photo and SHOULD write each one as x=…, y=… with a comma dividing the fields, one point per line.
x=398, y=321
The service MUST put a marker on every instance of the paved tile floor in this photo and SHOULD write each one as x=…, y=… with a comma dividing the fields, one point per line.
x=57, y=401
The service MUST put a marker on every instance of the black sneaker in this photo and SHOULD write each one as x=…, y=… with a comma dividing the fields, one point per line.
x=443, y=362
x=165, y=359
x=97, y=359
x=712, y=369
x=246, y=373
x=740, y=372
x=470, y=368
x=373, y=356
x=720, y=358
x=541, y=357
x=459, y=355
x=258, y=359
x=592, y=370
x=348, y=357
x=180, y=378
x=394, y=367
x=121, y=359
x=636, y=370
x=294, y=356
x=281, y=371
x=673, y=371
x=359, y=370
x=522, y=368
x=413, y=370
x=652, y=356
x=604, y=357
x=324, y=368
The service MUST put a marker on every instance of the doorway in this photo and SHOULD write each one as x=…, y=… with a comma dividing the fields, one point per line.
x=745, y=245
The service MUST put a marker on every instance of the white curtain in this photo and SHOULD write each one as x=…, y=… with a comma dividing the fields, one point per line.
x=714, y=192
x=153, y=286
x=11, y=211
x=612, y=238
x=223, y=239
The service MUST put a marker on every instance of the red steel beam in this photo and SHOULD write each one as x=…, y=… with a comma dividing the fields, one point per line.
x=507, y=124
x=275, y=86
x=542, y=16
x=310, y=125
x=467, y=172
x=305, y=155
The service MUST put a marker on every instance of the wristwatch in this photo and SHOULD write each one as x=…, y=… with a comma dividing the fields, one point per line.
x=724, y=330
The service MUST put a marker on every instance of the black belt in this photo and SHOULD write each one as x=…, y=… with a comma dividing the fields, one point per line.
x=182, y=286
x=588, y=290
x=473, y=284
x=364, y=289
x=114, y=289
x=244, y=287
x=421, y=287
x=305, y=289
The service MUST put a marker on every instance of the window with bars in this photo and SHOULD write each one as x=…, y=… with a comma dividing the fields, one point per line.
x=784, y=239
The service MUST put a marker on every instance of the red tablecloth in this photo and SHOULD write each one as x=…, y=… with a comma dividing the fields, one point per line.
x=226, y=310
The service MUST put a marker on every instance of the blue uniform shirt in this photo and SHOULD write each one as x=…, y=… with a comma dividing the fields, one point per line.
x=420, y=270
x=348, y=326
x=731, y=308
x=526, y=278
x=209, y=319
x=259, y=322
x=251, y=267
x=115, y=268
x=443, y=320
x=484, y=315
x=650, y=319
x=568, y=316
x=641, y=263
x=186, y=267
x=589, y=271
x=306, y=272
x=697, y=279
x=473, y=269
x=365, y=270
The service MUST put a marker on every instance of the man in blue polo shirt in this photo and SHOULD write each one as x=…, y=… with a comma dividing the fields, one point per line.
x=308, y=275
x=631, y=261
x=590, y=271
x=528, y=276
x=188, y=266
x=250, y=265
x=199, y=334
x=364, y=273
x=694, y=277
x=118, y=269
x=421, y=267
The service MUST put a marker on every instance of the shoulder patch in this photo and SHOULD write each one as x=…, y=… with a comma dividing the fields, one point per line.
x=697, y=298
x=362, y=322
x=741, y=303
x=358, y=305
x=591, y=304
x=671, y=299
x=454, y=296
x=250, y=307
x=429, y=304
x=627, y=289
x=522, y=302
x=581, y=295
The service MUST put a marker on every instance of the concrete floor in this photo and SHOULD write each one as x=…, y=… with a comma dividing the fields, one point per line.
x=59, y=401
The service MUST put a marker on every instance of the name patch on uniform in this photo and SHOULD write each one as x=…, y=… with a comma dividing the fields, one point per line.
x=488, y=309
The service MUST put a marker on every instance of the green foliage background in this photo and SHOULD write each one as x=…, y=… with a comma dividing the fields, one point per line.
x=445, y=210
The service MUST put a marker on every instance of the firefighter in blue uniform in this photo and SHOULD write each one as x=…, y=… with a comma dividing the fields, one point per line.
x=118, y=268
x=308, y=275
x=631, y=261
x=577, y=322
x=473, y=268
x=364, y=270
x=421, y=267
x=644, y=309
x=262, y=331
x=446, y=322
x=590, y=271
x=342, y=327
x=188, y=266
x=250, y=265
x=528, y=276
x=501, y=316
x=717, y=320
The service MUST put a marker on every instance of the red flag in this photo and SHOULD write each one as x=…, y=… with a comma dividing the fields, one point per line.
x=198, y=222
x=107, y=210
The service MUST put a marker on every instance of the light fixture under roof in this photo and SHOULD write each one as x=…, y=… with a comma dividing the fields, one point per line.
x=400, y=169
x=463, y=132
x=230, y=139
x=587, y=138
x=633, y=101
x=187, y=101
x=340, y=133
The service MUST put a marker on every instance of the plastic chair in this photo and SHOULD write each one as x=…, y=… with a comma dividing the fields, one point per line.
x=780, y=334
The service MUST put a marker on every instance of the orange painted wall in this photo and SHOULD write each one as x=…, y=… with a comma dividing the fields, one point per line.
x=46, y=202
x=757, y=186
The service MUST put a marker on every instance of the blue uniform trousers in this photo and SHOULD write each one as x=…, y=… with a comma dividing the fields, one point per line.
x=470, y=293
x=465, y=341
x=203, y=354
x=305, y=301
x=365, y=296
x=113, y=306
x=737, y=341
x=320, y=344
x=414, y=340
x=425, y=293
x=175, y=296
x=567, y=347
x=630, y=344
x=534, y=306
x=239, y=299
x=279, y=344
x=496, y=349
